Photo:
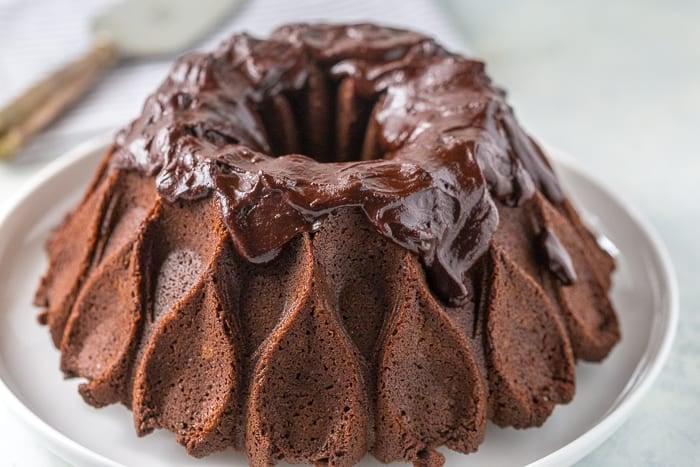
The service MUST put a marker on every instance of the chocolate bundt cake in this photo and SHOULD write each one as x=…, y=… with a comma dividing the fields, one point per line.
x=331, y=242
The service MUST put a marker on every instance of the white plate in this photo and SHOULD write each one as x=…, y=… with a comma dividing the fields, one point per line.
x=644, y=293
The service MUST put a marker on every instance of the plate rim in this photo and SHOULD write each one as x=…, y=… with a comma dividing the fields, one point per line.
x=65, y=447
x=58, y=443
x=612, y=420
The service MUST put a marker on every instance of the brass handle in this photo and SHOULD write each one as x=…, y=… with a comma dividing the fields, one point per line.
x=42, y=103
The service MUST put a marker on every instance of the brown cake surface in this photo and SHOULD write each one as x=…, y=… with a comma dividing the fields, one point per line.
x=417, y=271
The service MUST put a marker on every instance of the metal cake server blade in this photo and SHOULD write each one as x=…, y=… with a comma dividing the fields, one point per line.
x=139, y=28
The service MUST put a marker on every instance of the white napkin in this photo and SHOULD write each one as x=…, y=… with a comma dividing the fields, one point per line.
x=38, y=36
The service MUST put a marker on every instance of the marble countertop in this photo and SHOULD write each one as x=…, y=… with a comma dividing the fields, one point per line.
x=617, y=85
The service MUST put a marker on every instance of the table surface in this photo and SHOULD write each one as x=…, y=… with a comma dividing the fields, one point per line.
x=614, y=83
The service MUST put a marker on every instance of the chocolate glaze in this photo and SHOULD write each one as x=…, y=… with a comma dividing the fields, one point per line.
x=558, y=259
x=449, y=144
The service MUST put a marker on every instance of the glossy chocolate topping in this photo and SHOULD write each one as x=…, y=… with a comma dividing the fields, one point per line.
x=558, y=259
x=440, y=143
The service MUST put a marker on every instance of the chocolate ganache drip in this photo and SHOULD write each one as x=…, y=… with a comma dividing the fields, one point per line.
x=439, y=142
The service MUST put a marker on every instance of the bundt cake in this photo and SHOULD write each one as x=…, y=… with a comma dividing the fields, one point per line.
x=331, y=242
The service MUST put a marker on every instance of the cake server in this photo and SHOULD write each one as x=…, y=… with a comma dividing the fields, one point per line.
x=129, y=29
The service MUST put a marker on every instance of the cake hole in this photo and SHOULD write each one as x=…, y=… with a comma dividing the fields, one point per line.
x=327, y=120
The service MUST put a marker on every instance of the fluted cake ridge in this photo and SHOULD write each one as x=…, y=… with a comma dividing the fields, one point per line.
x=334, y=241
